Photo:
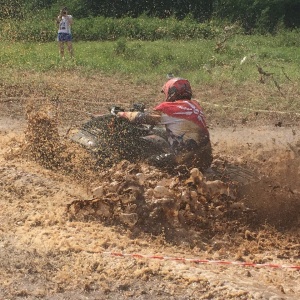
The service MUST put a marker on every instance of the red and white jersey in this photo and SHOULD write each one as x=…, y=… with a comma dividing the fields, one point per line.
x=184, y=121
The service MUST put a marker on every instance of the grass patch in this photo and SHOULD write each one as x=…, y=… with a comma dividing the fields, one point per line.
x=195, y=58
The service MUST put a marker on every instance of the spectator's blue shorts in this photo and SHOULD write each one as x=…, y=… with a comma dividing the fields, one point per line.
x=64, y=37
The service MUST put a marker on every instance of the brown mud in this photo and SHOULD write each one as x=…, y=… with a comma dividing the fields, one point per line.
x=58, y=215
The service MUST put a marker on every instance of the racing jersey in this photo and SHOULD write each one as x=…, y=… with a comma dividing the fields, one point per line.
x=185, y=123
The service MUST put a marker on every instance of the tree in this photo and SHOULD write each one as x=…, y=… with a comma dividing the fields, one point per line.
x=257, y=14
x=291, y=17
x=11, y=9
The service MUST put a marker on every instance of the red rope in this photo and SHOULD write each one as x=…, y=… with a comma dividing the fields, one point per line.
x=204, y=261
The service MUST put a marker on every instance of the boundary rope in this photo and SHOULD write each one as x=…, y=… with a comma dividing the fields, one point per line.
x=254, y=110
x=7, y=99
x=204, y=261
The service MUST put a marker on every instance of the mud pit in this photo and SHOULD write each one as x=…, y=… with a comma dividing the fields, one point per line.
x=55, y=229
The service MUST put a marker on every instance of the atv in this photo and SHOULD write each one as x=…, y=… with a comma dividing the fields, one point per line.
x=110, y=138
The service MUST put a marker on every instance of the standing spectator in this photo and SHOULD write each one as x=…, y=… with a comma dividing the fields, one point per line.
x=64, y=22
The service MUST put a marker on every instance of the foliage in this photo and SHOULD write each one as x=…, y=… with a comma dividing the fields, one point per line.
x=262, y=16
x=10, y=9
x=253, y=15
x=101, y=28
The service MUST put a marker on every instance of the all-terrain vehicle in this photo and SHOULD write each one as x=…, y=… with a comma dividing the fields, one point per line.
x=111, y=138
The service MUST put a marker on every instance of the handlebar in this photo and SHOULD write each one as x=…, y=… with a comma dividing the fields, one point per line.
x=115, y=109
x=140, y=107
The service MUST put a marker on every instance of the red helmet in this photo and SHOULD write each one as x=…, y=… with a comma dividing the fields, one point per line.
x=176, y=89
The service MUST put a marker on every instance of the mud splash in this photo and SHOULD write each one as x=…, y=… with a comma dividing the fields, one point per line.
x=57, y=220
x=248, y=197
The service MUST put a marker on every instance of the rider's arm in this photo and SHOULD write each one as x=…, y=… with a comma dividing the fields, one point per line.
x=140, y=118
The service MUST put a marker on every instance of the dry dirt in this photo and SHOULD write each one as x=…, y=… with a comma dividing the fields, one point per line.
x=50, y=252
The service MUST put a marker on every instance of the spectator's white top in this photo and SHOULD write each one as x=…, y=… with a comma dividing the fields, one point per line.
x=65, y=24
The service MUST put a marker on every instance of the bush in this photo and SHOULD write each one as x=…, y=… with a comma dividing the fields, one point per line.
x=100, y=29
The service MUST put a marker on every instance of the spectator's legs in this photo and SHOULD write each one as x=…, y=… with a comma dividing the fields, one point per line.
x=61, y=49
x=70, y=48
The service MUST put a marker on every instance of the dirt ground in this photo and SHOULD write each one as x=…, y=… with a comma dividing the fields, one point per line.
x=56, y=244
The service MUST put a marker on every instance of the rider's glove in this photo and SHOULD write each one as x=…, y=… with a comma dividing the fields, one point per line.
x=121, y=114
x=115, y=109
x=131, y=116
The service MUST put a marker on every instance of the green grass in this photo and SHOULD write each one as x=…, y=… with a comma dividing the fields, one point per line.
x=196, y=59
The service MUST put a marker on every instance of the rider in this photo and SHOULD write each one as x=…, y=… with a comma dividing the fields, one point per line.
x=186, y=129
